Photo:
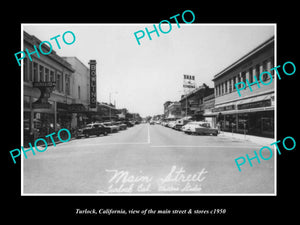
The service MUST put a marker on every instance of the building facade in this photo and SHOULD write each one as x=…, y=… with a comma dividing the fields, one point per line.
x=172, y=110
x=208, y=106
x=47, y=90
x=80, y=92
x=253, y=112
x=192, y=103
x=55, y=92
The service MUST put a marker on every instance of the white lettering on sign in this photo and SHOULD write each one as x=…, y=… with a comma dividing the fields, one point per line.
x=177, y=180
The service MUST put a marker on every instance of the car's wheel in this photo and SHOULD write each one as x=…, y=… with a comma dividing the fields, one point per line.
x=215, y=133
x=86, y=135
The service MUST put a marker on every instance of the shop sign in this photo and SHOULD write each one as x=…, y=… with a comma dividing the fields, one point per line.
x=259, y=104
x=93, y=92
x=44, y=84
x=224, y=108
x=41, y=105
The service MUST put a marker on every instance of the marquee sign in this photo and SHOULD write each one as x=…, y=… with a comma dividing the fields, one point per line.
x=93, y=90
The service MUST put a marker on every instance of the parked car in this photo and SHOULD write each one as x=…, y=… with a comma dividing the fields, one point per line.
x=203, y=130
x=121, y=125
x=190, y=128
x=164, y=123
x=172, y=124
x=151, y=122
x=112, y=127
x=180, y=123
x=128, y=123
x=92, y=129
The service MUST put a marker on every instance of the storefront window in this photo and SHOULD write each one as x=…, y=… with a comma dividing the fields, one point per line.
x=43, y=123
x=230, y=123
x=268, y=125
x=242, y=123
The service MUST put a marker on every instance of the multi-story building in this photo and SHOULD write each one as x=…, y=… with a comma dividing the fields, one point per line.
x=172, y=110
x=252, y=112
x=80, y=92
x=166, y=104
x=192, y=103
x=47, y=90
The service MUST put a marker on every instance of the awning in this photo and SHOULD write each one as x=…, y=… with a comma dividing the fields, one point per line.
x=248, y=100
x=255, y=99
x=261, y=109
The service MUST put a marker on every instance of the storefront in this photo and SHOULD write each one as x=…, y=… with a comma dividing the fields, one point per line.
x=37, y=122
x=251, y=116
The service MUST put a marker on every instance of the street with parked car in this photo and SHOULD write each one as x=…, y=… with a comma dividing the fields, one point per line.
x=103, y=128
x=189, y=126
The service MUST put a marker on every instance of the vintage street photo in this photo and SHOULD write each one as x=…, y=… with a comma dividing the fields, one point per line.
x=148, y=109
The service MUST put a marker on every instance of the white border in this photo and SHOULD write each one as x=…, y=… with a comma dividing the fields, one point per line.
x=148, y=137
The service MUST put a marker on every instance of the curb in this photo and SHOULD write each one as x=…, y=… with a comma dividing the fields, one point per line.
x=255, y=139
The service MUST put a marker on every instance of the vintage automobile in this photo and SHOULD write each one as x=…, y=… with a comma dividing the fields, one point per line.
x=190, y=128
x=171, y=124
x=121, y=125
x=111, y=126
x=180, y=123
x=204, y=130
x=92, y=129
x=128, y=123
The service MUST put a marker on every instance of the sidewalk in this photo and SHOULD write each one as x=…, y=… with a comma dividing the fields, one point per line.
x=49, y=141
x=255, y=139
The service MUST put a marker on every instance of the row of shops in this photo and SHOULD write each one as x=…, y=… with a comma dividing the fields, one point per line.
x=59, y=92
x=253, y=113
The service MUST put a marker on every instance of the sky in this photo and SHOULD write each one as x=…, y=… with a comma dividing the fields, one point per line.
x=142, y=77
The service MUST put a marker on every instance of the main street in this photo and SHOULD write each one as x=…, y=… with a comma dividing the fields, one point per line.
x=147, y=159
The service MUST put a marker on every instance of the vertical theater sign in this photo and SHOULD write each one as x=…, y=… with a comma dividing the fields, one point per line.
x=93, y=92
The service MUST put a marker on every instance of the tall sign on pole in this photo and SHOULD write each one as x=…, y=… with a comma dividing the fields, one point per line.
x=188, y=84
x=93, y=89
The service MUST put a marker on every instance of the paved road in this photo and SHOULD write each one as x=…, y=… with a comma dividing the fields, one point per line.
x=147, y=159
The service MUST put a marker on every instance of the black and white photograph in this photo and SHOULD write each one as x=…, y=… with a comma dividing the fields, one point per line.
x=165, y=109
x=145, y=110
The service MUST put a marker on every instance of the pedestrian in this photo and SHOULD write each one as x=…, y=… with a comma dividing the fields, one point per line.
x=219, y=127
